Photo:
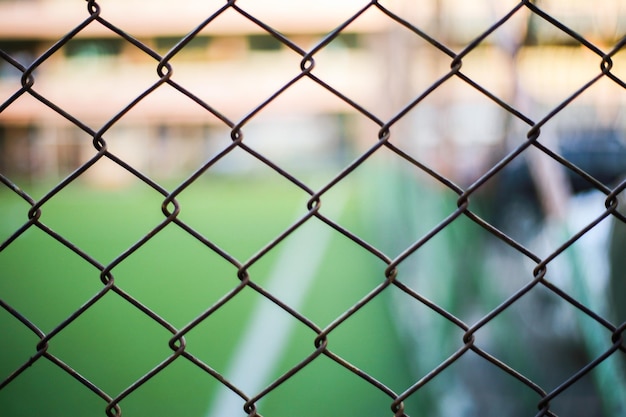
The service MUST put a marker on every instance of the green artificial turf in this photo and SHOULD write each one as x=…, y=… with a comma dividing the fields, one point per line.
x=177, y=277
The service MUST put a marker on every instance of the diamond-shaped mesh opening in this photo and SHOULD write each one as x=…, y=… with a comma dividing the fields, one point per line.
x=537, y=184
x=218, y=55
x=180, y=388
x=132, y=353
x=301, y=145
x=459, y=132
x=92, y=64
x=175, y=263
x=260, y=360
x=231, y=321
x=52, y=391
x=386, y=73
x=324, y=400
x=330, y=143
x=404, y=215
x=428, y=334
x=32, y=277
x=356, y=278
x=291, y=276
x=597, y=147
x=460, y=281
x=208, y=203
x=71, y=213
x=550, y=340
x=563, y=78
x=344, y=339
x=471, y=380
x=567, y=340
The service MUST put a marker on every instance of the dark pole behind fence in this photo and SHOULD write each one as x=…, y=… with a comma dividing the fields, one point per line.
x=526, y=166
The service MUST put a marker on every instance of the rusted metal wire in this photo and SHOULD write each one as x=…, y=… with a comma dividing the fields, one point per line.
x=468, y=343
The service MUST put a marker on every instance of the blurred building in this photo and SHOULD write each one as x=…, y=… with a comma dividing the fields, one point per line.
x=233, y=65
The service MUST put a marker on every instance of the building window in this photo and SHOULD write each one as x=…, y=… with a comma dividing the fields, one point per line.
x=22, y=51
x=348, y=41
x=93, y=48
x=196, y=44
x=264, y=43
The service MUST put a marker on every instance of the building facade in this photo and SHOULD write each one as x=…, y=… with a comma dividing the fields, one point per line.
x=234, y=66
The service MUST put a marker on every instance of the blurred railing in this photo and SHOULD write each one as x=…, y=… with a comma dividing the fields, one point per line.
x=526, y=156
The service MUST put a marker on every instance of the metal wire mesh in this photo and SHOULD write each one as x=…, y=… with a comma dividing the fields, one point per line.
x=469, y=341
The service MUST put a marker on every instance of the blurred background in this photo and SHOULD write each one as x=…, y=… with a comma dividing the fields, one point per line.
x=384, y=70
x=235, y=65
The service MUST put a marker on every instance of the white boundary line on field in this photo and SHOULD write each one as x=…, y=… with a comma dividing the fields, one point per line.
x=266, y=336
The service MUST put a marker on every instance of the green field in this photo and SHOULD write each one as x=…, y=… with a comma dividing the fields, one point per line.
x=113, y=344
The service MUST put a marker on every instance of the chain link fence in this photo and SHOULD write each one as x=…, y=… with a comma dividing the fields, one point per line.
x=504, y=213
